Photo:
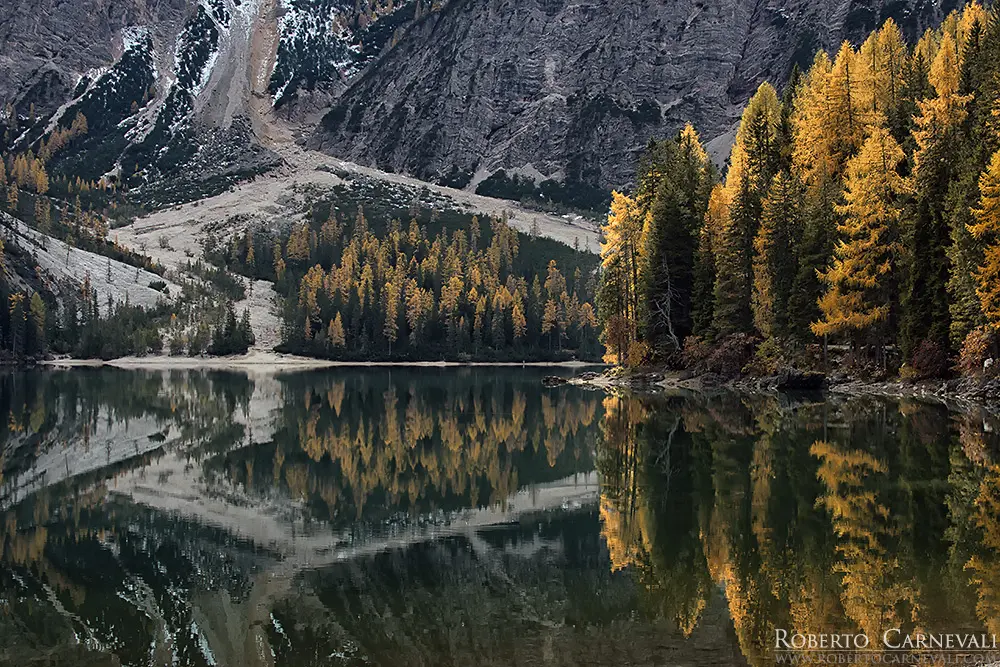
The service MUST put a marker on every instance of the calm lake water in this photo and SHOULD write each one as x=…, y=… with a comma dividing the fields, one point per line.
x=474, y=517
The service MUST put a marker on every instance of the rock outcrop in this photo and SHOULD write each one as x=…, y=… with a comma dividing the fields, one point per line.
x=573, y=89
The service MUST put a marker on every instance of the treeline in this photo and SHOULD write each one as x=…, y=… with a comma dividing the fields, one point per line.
x=34, y=322
x=37, y=318
x=350, y=293
x=862, y=208
x=23, y=316
x=432, y=441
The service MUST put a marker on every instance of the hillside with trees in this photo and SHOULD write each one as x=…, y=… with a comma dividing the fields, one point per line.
x=859, y=213
x=441, y=287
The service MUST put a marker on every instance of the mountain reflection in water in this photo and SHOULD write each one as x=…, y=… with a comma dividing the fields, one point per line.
x=472, y=516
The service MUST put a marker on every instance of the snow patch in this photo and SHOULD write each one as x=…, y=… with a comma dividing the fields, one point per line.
x=134, y=36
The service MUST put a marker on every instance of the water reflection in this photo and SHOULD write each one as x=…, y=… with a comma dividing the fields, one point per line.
x=472, y=516
x=856, y=515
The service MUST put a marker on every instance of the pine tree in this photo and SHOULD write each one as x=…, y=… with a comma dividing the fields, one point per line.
x=859, y=297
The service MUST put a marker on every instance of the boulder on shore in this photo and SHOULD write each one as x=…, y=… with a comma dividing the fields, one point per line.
x=795, y=380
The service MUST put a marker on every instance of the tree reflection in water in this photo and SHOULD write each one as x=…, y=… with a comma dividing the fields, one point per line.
x=811, y=515
x=452, y=516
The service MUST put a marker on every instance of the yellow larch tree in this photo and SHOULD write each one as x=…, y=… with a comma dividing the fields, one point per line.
x=987, y=231
x=858, y=298
x=620, y=263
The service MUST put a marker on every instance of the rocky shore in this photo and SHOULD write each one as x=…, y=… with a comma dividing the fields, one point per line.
x=959, y=393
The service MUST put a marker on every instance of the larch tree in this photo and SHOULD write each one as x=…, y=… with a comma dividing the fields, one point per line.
x=987, y=230
x=618, y=296
x=335, y=332
x=858, y=302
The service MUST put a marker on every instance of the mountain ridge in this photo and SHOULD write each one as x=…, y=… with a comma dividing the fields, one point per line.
x=573, y=90
x=185, y=97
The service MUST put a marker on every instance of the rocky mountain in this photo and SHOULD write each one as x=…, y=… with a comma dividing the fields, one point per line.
x=176, y=93
x=181, y=97
x=571, y=90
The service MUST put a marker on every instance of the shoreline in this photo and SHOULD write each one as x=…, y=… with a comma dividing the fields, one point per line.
x=275, y=362
x=960, y=394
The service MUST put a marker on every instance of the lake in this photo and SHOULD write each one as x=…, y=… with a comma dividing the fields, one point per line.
x=471, y=516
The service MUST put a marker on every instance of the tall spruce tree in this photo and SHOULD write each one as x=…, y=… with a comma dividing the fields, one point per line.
x=670, y=242
x=754, y=162
x=926, y=313
x=974, y=143
x=703, y=299
x=775, y=262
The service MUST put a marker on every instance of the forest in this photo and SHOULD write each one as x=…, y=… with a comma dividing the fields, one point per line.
x=365, y=287
x=859, y=215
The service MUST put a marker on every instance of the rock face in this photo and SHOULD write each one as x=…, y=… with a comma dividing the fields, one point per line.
x=573, y=89
x=176, y=92
x=46, y=45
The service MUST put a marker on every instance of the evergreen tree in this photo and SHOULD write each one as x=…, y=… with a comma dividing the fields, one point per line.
x=987, y=230
x=754, y=161
x=813, y=255
x=670, y=239
x=703, y=291
x=927, y=234
x=775, y=263
x=979, y=79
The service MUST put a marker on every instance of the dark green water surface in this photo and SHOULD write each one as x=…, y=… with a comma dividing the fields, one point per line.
x=474, y=517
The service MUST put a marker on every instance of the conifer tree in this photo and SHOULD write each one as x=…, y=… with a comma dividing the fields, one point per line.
x=775, y=263
x=859, y=297
x=975, y=141
x=620, y=263
x=335, y=332
x=927, y=234
x=12, y=198
x=987, y=230
x=703, y=289
x=670, y=238
x=754, y=160
x=813, y=254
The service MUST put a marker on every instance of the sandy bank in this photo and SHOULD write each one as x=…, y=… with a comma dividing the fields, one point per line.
x=274, y=362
